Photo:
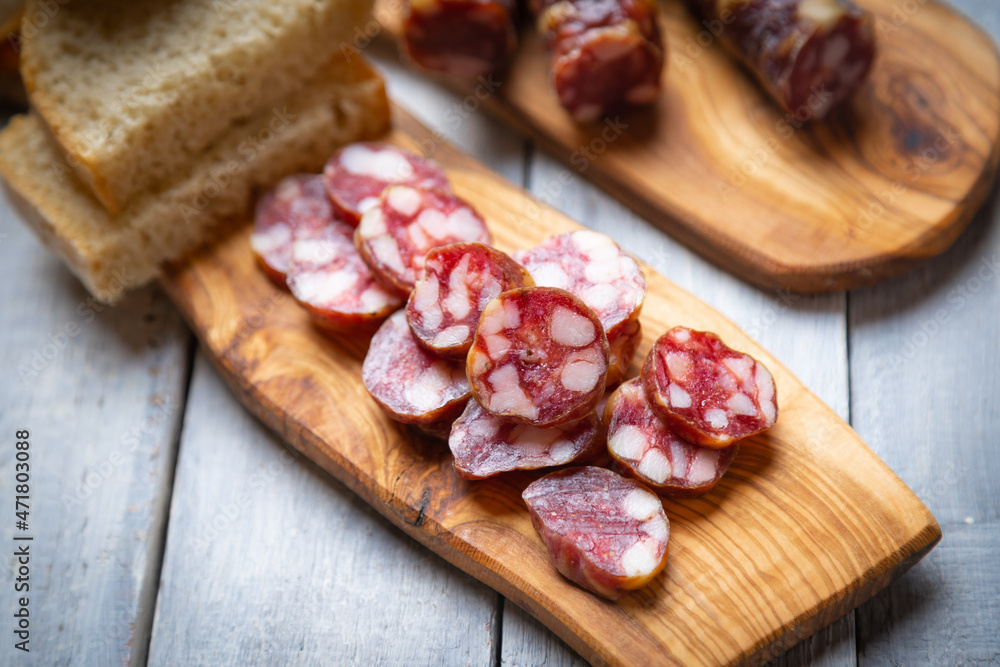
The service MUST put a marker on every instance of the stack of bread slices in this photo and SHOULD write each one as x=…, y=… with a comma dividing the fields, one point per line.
x=154, y=122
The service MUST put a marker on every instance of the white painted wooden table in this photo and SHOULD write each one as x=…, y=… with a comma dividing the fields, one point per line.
x=169, y=526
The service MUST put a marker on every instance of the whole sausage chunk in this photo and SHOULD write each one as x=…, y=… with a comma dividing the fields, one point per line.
x=649, y=450
x=604, y=532
x=356, y=175
x=709, y=393
x=460, y=38
x=297, y=202
x=606, y=55
x=412, y=385
x=329, y=278
x=396, y=234
x=483, y=445
x=459, y=279
x=539, y=357
x=809, y=55
x=596, y=269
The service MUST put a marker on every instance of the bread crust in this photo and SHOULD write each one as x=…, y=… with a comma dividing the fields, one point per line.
x=344, y=102
x=175, y=77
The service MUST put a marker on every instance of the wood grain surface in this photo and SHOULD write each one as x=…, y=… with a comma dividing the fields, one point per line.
x=882, y=185
x=808, y=524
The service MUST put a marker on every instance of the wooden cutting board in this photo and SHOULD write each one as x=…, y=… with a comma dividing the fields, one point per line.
x=878, y=188
x=807, y=524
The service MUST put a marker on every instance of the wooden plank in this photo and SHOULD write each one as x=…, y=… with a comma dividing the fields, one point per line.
x=307, y=387
x=269, y=559
x=925, y=374
x=872, y=192
x=778, y=319
x=102, y=392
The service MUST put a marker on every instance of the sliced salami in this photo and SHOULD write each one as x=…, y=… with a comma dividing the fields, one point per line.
x=356, y=175
x=709, y=393
x=329, y=278
x=809, y=55
x=539, y=357
x=395, y=235
x=606, y=54
x=646, y=448
x=458, y=281
x=460, y=38
x=484, y=445
x=603, y=531
x=297, y=202
x=596, y=269
x=412, y=385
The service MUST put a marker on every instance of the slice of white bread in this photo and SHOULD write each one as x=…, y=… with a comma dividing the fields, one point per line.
x=343, y=103
x=133, y=90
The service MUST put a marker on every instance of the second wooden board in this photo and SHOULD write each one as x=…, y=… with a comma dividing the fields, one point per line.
x=807, y=524
x=885, y=183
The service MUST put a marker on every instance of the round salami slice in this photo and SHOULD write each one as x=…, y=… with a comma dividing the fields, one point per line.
x=411, y=384
x=484, y=445
x=606, y=54
x=356, y=175
x=395, y=235
x=709, y=393
x=329, y=278
x=297, y=202
x=461, y=38
x=459, y=279
x=603, y=531
x=649, y=450
x=595, y=268
x=539, y=357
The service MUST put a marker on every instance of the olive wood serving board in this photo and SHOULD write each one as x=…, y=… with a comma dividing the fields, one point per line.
x=882, y=185
x=807, y=524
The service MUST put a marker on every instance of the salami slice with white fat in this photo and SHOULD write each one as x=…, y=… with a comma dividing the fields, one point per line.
x=461, y=38
x=395, y=235
x=412, y=385
x=709, y=393
x=329, y=278
x=603, y=531
x=539, y=357
x=458, y=280
x=596, y=269
x=484, y=445
x=646, y=448
x=606, y=54
x=297, y=202
x=356, y=175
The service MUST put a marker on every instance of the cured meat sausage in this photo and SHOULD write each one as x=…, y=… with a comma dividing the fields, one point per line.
x=410, y=383
x=329, y=278
x=595, y=268
x=484, y=445
x=458, y=281
x=809, y=55
x=461, y=38
x=356, y=175
x=395, y=235
x=604, y=532
x=606, y=54
x=539, y=357
x=297, y=202
x=709, y=393
x=649, y=450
